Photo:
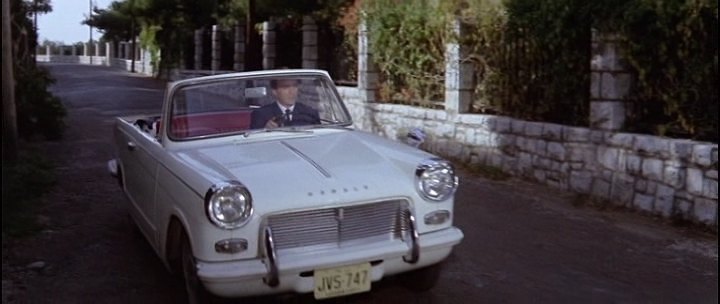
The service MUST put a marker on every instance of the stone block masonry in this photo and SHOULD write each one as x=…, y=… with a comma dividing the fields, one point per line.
x=666, y=177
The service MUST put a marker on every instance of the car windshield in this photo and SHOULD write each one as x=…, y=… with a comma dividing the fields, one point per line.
x=240, y=105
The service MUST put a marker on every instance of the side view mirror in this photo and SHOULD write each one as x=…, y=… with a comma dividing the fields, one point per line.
x=415, y=137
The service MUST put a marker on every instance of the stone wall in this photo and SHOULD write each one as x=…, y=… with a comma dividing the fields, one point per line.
x=667, y=177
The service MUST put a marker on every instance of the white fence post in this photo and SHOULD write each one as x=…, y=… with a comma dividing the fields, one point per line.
x=268, y=48
x=215, y=52
x=367, y=71
x=458, y=74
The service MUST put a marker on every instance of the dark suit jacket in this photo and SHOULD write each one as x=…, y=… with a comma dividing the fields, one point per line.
x=302, y=115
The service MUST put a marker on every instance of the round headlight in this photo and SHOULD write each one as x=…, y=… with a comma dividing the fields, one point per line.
x=228, y=204
x=436, y=180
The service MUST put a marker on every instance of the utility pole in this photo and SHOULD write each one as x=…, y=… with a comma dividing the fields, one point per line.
x=90, y=42
x=132, y=36
x=9, y=117
x=35, y=9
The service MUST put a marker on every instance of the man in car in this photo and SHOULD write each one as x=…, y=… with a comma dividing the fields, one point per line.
x=286, y=111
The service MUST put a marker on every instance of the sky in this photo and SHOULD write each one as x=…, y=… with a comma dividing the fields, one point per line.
x=63, y=24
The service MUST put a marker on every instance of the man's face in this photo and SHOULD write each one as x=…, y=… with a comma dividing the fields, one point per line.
x=286, y=91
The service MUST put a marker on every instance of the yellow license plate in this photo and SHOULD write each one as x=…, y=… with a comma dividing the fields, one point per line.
x=340, y=281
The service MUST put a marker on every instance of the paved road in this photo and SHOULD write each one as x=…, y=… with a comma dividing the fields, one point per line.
x=523, y=242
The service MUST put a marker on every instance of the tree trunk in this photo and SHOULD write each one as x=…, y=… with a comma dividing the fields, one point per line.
x=9, y=117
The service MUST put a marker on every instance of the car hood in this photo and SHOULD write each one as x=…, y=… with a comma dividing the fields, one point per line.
x=311, y=171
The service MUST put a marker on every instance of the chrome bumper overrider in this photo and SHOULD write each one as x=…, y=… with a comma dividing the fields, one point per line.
x=272, y=278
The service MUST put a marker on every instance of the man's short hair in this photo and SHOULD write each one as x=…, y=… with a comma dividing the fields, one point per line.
x=274, y=82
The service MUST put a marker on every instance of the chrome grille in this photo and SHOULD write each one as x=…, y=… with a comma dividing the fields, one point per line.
x=384, y=220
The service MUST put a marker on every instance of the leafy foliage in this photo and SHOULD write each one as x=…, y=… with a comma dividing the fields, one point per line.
x=37, y=110
x=149, y=42
x=115, y=21
x=672, y=47
x=408, y=45
x=531, y=59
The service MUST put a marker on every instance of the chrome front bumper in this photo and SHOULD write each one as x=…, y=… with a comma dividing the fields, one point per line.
x=271, y=275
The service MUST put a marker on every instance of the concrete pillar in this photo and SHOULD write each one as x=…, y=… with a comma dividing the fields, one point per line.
x=239, y=54
x=215, y=42
x=367, y=71
x=198, y=49
x=86, y=49
x=459, y=84
x=309, y=43
x=268, y=48
x=96, y=48
x=48, y=51
x=138, y=50
x=128, y=47
x=147, y=62
x=610, y=82
x=108, y=53
x=73, y=50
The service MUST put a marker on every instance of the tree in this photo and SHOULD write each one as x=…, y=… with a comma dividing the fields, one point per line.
x=168, y=25
x=114, y=22
x=38, y=112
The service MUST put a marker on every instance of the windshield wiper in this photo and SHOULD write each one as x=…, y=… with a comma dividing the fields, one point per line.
x=248, y=133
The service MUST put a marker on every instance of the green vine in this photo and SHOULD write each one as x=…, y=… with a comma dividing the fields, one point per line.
x=148, y=42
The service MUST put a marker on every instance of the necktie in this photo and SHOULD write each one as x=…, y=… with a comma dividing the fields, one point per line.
x=286, y=118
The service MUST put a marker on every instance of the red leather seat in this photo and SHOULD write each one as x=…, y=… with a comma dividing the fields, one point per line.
x=209, y=123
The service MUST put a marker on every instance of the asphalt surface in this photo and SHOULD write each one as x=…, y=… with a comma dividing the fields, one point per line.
x=524, y=243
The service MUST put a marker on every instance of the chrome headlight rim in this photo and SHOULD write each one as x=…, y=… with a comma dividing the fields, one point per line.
x=436, y=164
x=224, y=186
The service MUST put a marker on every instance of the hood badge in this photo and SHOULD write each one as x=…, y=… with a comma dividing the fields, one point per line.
x=336, y=191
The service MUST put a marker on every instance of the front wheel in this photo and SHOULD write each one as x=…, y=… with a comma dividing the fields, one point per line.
x=422, y=279
x=196, y=292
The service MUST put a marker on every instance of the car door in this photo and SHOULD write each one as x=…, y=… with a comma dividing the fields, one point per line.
x=138, y=151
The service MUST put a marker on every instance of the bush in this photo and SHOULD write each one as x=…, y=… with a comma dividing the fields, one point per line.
x=38, y=111
x=531, y=59
x=672, y=47
x=408, y=45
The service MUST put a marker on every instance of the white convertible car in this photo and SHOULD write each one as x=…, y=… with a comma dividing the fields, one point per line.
x=255, y=183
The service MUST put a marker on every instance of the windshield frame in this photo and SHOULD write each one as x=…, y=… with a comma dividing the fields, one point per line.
x=179, y=86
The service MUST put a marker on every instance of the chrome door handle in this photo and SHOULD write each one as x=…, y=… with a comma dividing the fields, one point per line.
x=131, y=146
